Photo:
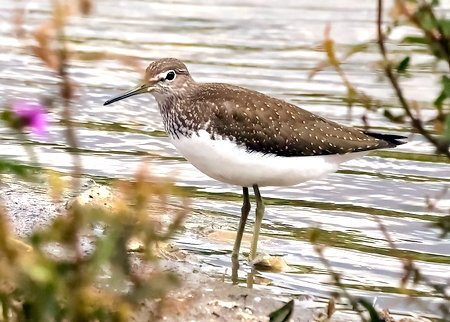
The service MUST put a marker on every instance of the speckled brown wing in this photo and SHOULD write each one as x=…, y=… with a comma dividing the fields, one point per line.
x=271, y=126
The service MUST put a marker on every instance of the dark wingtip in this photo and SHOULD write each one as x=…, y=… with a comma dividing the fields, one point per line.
x=391, y=139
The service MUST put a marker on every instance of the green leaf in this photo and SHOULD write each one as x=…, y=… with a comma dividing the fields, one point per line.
x=403, y=65
x=434, y=3
x=283, y=314
x=444, y=225
x=439, y=101
x=356, y=49
x=393, y=118
x=444, y=94
x=374, y=317
x=446, y=85
x=415, y=40
x=6, y=116
x=447, y=127
x=426, y=19
x=445, y=26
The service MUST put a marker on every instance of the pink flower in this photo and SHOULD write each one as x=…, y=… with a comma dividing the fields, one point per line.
x=32, y=115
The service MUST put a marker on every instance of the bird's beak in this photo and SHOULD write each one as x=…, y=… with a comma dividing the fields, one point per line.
x=144, y=88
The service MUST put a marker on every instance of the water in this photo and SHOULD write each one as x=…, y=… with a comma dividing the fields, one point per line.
x=261, y=45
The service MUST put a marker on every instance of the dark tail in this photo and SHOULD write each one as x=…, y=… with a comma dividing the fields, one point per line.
x=391, y=139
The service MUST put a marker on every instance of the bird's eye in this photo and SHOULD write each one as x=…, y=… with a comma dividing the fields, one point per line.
x=170, y=75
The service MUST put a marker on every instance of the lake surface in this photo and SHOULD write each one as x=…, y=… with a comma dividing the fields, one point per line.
x=272, y=49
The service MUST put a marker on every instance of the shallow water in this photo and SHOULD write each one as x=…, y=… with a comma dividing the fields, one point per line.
x=272, y=49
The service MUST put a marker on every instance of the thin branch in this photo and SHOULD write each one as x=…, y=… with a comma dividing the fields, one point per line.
x=441, y=147
x=354, y=301
x=66, y=94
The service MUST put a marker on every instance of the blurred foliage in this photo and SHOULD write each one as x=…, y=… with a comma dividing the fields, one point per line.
x=103, y=283
x=432, y=32
x=354, y=95
x=434, y=28
x=411, y=277
x=283, y=314
x=434, y=37
x=444, y=225
x=21, y=170
x=67, y=271
x=358, y=304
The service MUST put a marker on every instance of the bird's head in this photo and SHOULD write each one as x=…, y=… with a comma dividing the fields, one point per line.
x=164, y=78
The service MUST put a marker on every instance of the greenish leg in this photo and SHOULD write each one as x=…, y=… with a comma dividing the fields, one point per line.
x=258, y=221
x=245, y=210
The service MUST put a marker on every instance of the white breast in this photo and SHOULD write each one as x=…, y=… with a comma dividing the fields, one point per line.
x=225, y=161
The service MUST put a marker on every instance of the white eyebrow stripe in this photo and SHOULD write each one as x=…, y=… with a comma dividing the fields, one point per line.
x=162, y=75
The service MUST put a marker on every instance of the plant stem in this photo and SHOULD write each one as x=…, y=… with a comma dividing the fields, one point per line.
x=441, y=146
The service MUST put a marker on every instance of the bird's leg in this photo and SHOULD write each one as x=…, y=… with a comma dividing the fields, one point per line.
x=258, y=221
x=245, y=210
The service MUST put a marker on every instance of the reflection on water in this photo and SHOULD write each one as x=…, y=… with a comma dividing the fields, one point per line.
x=272, y=49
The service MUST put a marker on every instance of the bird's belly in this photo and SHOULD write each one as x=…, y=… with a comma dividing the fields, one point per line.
x=225, y=161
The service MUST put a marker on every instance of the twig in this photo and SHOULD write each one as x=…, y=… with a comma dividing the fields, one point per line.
x=66, y=94
x=354, y=302
x=442, y=147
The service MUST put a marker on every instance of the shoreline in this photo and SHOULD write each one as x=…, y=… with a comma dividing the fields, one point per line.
x=202, y=296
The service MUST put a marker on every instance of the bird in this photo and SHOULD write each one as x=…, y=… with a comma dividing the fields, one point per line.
x=245, y=138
